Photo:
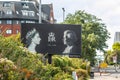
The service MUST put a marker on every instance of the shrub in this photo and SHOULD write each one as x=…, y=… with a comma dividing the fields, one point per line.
x=7, y=69
x=29, y=66
x=82, y=74
x=62, y=76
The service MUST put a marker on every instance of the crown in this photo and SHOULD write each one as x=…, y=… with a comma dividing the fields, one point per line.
x=31, y=33
x=51, y=34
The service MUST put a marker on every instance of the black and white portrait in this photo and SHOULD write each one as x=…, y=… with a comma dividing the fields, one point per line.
x=69, y=39
x=32, y=39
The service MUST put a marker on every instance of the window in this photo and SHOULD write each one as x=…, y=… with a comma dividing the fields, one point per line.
x=30, y=21
x=31, y=13
x=9, y=22
x=44, y=16
x=28, y=13
x=24, y=13
x=17, y=31
x=0, y=12
x=9, y=31
x=9, y=12
x=17, y=22
x=0, y=22
x=7, y=4
x=22, y=21
x=25, y=5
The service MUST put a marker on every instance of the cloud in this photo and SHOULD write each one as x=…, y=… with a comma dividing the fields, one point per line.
x=107, y=10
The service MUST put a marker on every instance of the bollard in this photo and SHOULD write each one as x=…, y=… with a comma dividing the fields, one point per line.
x=92, y=73
x=74, y=75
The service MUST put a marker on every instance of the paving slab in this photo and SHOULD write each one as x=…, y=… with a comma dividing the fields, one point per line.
x=106, y=76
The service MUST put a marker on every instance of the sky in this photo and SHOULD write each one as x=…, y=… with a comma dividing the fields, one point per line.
x=107, y=10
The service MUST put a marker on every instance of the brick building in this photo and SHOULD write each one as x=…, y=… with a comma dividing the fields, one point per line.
x=13, y=13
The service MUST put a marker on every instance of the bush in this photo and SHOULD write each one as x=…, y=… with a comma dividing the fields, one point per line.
x=29, y=66
x=62, y=76
x=7, y=69
x=82, y=74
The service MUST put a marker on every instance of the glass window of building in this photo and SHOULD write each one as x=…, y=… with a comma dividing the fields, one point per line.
x=24, y=12
x=9, y=22
x=9, y=31
x=17, y=22
x=17, y=31
x=31, y=13
x=0, y=12
x=30, y=21
x=7, y=4
x=9, y=12
x=25, y=5
x=44, y=16
x=0, y=21
x=22, y=21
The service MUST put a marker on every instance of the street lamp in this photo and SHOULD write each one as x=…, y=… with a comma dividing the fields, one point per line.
x=63, y=13
x=40, y=11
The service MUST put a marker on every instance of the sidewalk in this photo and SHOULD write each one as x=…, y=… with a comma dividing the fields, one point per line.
x=106, y=76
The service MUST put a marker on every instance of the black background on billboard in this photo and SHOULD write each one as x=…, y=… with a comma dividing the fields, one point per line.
x=58, y=29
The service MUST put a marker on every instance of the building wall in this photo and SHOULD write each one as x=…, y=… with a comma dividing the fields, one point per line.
x=11, y=16
x=8, y=30
x=117, y=37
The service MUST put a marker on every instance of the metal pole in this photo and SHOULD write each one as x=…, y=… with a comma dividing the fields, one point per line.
x=40, y=11
x=50, y=58
x=63, y=13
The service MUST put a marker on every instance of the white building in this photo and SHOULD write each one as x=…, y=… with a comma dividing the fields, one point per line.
x=117, y=37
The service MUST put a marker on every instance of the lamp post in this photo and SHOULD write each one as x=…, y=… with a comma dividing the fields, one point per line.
x=63, y=13
x=40, y=11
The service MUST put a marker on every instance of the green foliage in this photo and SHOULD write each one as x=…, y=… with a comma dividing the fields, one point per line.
x=114, y=52
x=62, y=76
x=108, y=57
x=94, y=33
x=68, y=65
x=82, y=74
x=22, y=64
x=7, y=70
x=61, y=61
x=116, y=46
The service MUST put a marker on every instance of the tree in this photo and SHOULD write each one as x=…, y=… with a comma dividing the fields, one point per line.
x=116, y=46
x=108, y=56
x=116, y=50
x=94, y=33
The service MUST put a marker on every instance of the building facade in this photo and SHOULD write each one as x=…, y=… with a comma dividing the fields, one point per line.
x=117, y=37
x=13, y=13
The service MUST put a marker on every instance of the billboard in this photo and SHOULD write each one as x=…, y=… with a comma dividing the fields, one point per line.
x=52, y=38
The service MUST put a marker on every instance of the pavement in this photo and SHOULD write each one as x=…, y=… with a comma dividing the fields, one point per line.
x=110, y=73
x=106, y=76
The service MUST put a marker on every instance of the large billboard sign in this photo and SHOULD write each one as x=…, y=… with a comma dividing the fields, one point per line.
x=52, y=38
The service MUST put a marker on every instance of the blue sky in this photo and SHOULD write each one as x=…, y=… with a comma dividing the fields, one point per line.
x=107, y=10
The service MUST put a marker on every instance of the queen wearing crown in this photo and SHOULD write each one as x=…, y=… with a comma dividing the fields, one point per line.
x=32, y=40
